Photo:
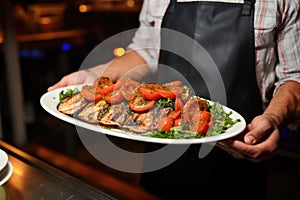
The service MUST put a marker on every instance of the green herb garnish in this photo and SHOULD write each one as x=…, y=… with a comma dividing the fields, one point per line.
x=175, y=133
x=65, y=94
x=165, y=103
x=222, y=120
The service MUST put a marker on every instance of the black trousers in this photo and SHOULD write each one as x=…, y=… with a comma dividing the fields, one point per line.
x=217, y=176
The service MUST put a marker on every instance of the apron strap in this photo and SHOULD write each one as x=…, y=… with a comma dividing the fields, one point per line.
x=247, y=8
x=172, y=6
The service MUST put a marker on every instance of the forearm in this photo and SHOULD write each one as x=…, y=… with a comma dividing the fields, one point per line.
x=130, y=63
x=285, y=105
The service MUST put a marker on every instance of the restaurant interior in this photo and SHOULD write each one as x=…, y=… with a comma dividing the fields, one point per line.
x=43, y=40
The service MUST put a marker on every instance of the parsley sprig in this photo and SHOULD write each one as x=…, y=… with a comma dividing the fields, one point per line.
x=165, y=103
x=65, y=94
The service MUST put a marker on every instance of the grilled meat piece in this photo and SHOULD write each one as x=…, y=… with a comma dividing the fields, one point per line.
x=163, y=112
x=141, y=123
x=121, y=115
x=72, y=104
x=92, y=110
x=125, y=114
x=114, y=115
x=148, y=121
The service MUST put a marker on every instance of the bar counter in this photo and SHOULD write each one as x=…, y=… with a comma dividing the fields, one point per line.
x=33, y=179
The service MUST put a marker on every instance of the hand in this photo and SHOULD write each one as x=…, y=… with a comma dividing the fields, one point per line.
x=258, y=142
x=79, y=77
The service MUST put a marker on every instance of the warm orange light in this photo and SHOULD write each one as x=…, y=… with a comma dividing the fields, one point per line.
x=84, y=8
x=119, y=51
x=17, y=171
x=130, y=3
x=45, y=20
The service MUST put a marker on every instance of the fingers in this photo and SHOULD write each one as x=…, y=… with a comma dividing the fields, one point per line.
x=57, y=85
x=65, y=81
x=256, y=153
x=79, y=77
x=259, y=128
x=253, y=152
x=258, y=142
x=231, y=151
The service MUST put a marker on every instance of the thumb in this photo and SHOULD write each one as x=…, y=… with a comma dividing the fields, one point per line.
x=258, y=128
x=250, y=139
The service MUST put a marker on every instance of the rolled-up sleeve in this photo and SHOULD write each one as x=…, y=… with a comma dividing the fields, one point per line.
x=146, y=41
x=288, y=67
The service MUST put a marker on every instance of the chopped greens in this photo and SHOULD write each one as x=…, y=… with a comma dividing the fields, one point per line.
x=221, y=119
x=69, y=92
x=175, y=133
x=165, y=103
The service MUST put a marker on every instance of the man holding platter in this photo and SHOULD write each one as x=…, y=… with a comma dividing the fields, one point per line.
x=255, y=46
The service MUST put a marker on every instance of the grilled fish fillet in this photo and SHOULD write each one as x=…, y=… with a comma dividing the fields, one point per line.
x=72, y=104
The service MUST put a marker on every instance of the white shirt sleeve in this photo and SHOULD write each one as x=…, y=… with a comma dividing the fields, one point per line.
x=146, y=41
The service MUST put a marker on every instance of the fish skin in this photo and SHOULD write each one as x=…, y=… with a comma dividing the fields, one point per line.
x=72, y=104
x=91, y=111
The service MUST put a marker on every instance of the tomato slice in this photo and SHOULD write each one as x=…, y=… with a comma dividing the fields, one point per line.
x=165, y=124
x=90, y=94
x=101, y=81
x=205, y=116
x=204, y=122
x=114, y=97
x=174, y=114
x=104, y=85
x=128, y=88
x=150, y=91
x=139, y=104
x=202, y=127
x=202, y=104
x=166, y=93
x=177, y=122
x=178, y=104
x=105, y=89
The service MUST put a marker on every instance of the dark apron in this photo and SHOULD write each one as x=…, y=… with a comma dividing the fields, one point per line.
x=226, y=32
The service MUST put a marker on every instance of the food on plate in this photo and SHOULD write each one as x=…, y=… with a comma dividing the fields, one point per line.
x=166, y=110
x=72, y=103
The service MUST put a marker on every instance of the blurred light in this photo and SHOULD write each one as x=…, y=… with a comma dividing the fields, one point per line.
x=36, y=53
x=24, y=53
x=84, y=8
x=119, y=51
x=18, y=171
x=130, y=3
x=66, y=47
x=32, y=53
x=45, y=20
